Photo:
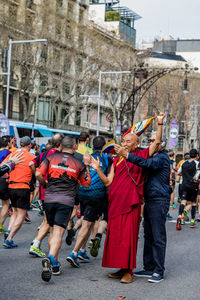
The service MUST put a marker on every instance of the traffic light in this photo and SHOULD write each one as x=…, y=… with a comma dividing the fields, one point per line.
x=4, y=59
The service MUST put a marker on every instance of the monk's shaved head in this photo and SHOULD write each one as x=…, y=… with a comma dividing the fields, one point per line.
x=132, y=136
x=130, y=142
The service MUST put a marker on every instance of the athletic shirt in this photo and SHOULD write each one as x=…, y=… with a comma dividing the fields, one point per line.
x=97, y=189
x=64, y=174
x=82, y=149
x=188, y=170
x=20, y=177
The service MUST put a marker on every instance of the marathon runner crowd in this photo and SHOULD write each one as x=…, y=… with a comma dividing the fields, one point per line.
x=78, y=188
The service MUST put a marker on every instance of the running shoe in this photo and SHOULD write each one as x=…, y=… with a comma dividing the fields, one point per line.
x=2, y=229
x=72, y=259
x=27, y=219
x=90, y=244
x=70, y=236
x=186, y=217
x=169, y=217
x=173, y=206
x=182, y=222
x=36, y=251
x=6, y=234
x=40, y=213
x=83, y=256
x=34, y=204
x=47, y=271
x=56, y=270
x=9, y=244
x=178, y=224
x=179, y=200
x=143, y=273
x=192, y=223
x=156, y=278
x=95, y=247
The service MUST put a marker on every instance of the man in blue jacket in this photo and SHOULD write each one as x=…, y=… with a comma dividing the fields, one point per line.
x=157, y=192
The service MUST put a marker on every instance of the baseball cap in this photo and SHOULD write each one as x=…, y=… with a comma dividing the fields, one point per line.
x=25, y=141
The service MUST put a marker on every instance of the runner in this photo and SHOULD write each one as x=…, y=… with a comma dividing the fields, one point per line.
x=189, y=187
x=54, y=147
x=64, y=173
x=19, y=191
x=4, y=193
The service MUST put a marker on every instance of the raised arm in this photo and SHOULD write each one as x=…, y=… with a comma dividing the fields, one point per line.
x=154, y=146
x=107, y=180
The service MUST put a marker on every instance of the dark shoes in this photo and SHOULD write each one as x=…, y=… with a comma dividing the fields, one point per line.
x=143, y=274
x=47, y=271
x=118, y=274
x=156, y=278
x=70, y=236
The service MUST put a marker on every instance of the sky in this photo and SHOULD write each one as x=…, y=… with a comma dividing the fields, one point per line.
x=178, y=18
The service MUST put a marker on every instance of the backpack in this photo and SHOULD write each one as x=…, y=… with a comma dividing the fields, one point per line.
x=97, y=189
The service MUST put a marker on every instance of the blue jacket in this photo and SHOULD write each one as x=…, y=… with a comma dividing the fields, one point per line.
x=156, y=185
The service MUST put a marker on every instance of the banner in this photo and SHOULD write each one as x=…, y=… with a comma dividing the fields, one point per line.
x=173, y=135
x=4, y=126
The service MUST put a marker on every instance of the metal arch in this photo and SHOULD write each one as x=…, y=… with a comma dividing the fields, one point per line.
x=145, y=86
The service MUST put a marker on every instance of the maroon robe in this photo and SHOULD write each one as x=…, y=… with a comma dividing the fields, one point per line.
x=124, y=205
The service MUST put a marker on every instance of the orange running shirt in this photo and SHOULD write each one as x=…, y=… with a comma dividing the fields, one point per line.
x=20, y=177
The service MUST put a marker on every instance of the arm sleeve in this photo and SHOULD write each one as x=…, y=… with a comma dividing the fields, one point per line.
x=7, y=167
x=152, y=163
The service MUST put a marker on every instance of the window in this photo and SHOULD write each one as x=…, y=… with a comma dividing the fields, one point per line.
x=81, y=40
x=44, y=109
x=43, y=83
x=101, y=118
x=78, y=91
x=56, y=57
x=79, y=65
x=59, y=4
x=44, y=53
x=81, y=16
x=78, y=118
x=88, y=116
x=180, y=143
x=70, y=11
x=64, y=113
x=67, y=63
x=30, y=4
x=66, y=88
x=28, y=132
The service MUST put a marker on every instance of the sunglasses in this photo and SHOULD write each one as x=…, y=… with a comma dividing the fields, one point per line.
x=151, y=140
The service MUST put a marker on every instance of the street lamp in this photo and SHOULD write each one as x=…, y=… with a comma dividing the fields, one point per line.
x=99, y=93
x=11, y=42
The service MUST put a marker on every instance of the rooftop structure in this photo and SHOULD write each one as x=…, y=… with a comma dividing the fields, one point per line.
x=118, y=19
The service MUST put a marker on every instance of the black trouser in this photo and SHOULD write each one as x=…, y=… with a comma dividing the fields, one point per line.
x=155, y=237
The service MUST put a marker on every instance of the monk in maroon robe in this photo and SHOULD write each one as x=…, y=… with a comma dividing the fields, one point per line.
x=125, y=197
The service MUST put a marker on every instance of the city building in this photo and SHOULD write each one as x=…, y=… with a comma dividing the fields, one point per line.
x=115, y=18
x=48, y=79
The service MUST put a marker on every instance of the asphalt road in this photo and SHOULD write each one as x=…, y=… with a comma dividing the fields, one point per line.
x=21, y=273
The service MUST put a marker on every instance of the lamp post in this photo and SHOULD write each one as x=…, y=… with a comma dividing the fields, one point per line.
x=99, y=93
x=11, y=42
